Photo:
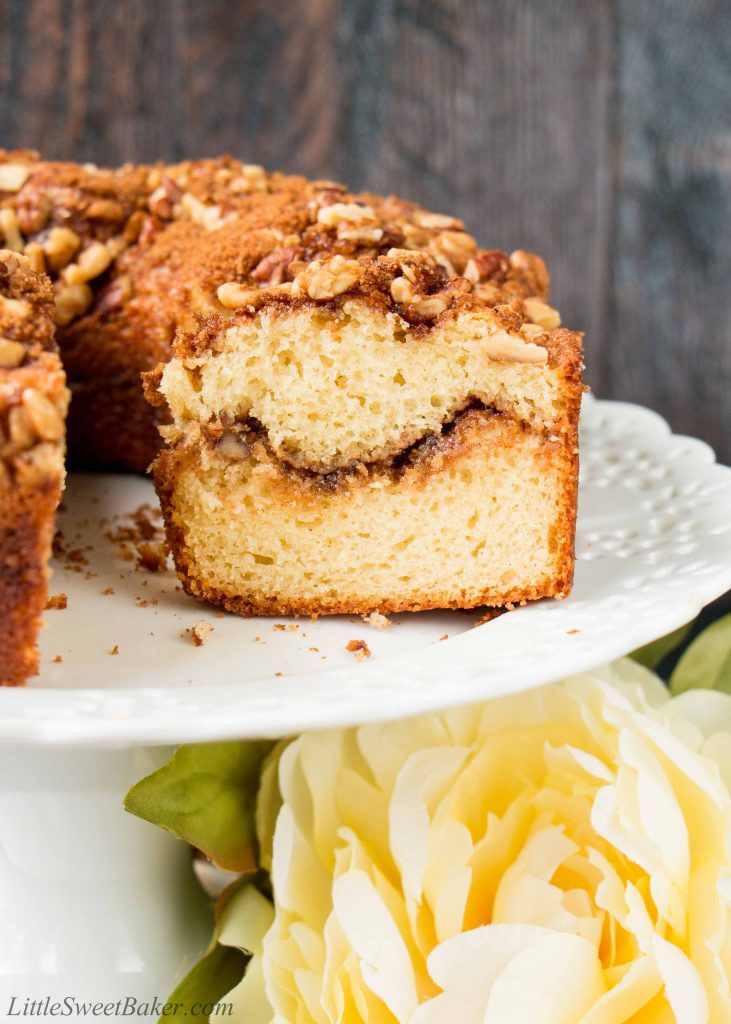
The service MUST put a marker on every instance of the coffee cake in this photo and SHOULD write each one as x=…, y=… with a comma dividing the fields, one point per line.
x=362, y=409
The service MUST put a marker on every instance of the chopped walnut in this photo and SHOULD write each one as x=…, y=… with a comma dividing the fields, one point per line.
x=273, y=268
x=326, y=278
x=72, y=300
x=530, y=263
x=43, y=414
x=13, y=177
x=60, y=247
x=11, y=229
x=12, y=353
x=233, y=295
x=92, y=262
x=543, y=315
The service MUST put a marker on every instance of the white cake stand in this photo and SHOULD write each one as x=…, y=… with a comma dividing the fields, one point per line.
x=95, y=904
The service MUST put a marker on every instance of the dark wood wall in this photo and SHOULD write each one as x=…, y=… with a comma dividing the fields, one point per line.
x=597, y=132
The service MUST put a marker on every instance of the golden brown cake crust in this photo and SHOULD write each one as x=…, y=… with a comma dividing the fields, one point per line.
x=33, y=401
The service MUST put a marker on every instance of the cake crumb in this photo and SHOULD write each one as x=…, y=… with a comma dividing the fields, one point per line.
x=115, y=649
x=58, y=602
x=377, y=620
x=444, y=636
x=359, y=648
x=57, y=660
x=152, y=557
x=200, y=632
x=315, y=649
x=571, y=632
x=77, y=556
x=279, y=626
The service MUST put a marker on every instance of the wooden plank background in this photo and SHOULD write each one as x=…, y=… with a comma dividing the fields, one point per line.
x=597, y=132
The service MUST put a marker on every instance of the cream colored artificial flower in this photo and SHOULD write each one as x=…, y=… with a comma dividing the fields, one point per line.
x=561, y=856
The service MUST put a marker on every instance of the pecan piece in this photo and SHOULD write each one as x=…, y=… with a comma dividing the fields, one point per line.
x=273, y=268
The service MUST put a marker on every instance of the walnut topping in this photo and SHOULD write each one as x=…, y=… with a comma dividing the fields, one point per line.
x=16, y=308
x=331, y=216
x=273, y=268
x=486, y=265
x=540, y=313
x=203, y=214
x=92, y=262
x=326, y=278
x=60, y=247
x=233, y=295
x=13, y=177
x=429, y=308
x=360, y=233
x=456, y=247
x=405, y=289
x=36, y=257
x=72, y=300
x=11, y=353
x=43, y=415
x=164, y=198
x=439, y=221
x=529, y=263
x=20, y=429
x=507, y=347
x=9, y=262
x=11, y=229
x=415, y=238
x=402, y=290
x=252, y=178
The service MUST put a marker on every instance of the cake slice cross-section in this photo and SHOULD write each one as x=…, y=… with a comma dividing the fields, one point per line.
x=379, y=416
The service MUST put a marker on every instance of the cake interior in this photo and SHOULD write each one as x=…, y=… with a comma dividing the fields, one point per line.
x=334, y=458
x=481, y=514
x=335, y=387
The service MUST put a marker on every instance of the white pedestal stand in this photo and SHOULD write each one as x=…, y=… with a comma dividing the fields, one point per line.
x=95, y=905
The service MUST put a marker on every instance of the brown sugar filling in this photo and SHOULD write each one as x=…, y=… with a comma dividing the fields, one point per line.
x=429, y=454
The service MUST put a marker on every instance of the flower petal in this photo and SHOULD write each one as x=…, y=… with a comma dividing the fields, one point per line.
x=385, y=963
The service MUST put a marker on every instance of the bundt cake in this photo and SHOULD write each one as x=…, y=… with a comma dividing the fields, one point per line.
x=361, y=409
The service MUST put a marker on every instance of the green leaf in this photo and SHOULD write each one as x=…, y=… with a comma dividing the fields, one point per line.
x=706, y=663
x=216, y=973
x=653, y=653
x=206, y=795
x=230, y=973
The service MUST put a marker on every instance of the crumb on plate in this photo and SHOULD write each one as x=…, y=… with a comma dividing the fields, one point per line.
x=200, y=632
x=359, y=648
x=377, y=620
